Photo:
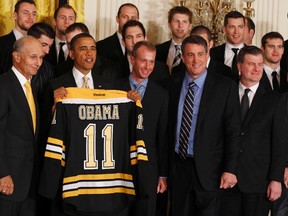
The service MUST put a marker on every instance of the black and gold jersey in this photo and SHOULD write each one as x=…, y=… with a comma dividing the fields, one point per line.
x=95, y=150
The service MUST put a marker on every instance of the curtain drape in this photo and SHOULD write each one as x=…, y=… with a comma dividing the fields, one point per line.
x=45, y=11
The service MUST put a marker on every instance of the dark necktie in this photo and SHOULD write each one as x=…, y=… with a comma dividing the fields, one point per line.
x=244, y=104
x=275, y=81
x=234, y=64
x=61, y=57
x=186, y=121
x=177, y=58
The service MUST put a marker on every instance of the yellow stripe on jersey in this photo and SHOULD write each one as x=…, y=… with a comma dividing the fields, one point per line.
x=52, y=155
x=90, y=191
x=98, y=177
x=55, y=141
x=140, y=143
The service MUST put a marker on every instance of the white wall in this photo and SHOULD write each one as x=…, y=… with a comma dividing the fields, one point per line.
x=271, y=15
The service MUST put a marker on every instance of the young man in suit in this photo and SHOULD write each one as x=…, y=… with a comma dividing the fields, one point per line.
x=180, y=24
x=155, y=101
x=133, y=32
x=204, y=128
x=274, y=77
x=212, y=65
x=24, y=16
x=64, y=16
x=112, y=47
x=263, y=141
x=19, y=126
x=234, y=25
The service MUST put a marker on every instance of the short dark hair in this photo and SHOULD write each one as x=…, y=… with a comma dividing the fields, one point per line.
x=201, y=29
x=271, y=35
x=77, y=26
x=41, y=28
x=252, y=50
x=132, y=23
x=233, y=15
x=139, y=44
x=67, y=6
x=250, y=23
x=194, y=39
x=77, y=37
x=179, y=10
x=18, y=4
x=127, y=5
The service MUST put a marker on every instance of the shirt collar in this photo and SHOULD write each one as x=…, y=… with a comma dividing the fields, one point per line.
x=78, y=75
x=133, y=82
x=253, y=88
x=269, y=70
x=17, y=34
x=230, y=46
x=20, y=76
x=198, y=81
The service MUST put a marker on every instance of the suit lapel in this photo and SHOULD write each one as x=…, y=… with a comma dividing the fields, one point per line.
x=255, y=104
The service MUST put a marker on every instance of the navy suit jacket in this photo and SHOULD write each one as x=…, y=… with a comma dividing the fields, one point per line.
x=216, y=138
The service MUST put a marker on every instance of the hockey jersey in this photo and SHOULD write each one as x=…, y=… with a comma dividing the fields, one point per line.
x=94, y=151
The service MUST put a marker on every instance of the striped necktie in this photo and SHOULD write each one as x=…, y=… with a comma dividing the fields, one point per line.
x=186, y=122
x=177, y=58
x=85, y=82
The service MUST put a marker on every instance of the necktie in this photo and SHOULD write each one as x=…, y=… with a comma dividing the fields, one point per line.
x=31, y=103
x=177, y=58
x=244, y=104
x=85, y=82
x=140, y=89
x=234, y=64
x=186, y=121
x=61, y=57
x=275, y=81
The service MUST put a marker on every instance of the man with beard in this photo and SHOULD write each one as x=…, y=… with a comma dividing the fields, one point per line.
x=64, y=16
x=24, y=16
x=274, y=76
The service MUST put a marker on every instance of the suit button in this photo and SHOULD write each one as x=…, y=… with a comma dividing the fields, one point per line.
x=242, y=133
x=241, y=150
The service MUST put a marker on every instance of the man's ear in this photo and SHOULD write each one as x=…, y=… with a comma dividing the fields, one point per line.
x=71, y=54
x=16, y=56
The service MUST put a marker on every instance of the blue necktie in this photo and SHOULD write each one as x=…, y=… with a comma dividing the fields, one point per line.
x=186, y=122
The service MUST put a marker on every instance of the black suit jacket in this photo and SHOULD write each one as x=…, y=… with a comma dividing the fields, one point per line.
x=110, y=48
x=283, y=81
x=218, y=53
x=263, y=142
x=160, y=71
x=6, y=44
x=51, y=57
x=103, y=67
x=155, y=112
x=284, y=59
x=18, y=147
x=216, y=139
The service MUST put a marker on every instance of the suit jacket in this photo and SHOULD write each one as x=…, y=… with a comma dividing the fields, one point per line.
x=102, y=67
x=51, y=57
x=218, y=53
x=284, y=59
x=213, y=67
x=283, y=81
x=216, y=138
x=18, y=147
x=110, y=48
x=263, y=142
x=160, y=71
x=155, y=112
x=6, y=44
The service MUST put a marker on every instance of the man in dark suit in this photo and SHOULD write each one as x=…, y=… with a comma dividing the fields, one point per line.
x=234, y=25
x=133, y=32
x=24, y=16
x=64, y=16
x=180, y=23
x=102, y=67
x=155, y=101
x=263, y=142
x=212, y=65
x=19, y=126
x=284, y=60
x=249, y=31
x=274, y=77
x=112, y=47
x=204, y=128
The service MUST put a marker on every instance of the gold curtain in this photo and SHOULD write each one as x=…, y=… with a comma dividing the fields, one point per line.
x=45, y=11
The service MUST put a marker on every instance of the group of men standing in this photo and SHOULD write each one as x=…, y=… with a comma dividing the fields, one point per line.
x=214, y=117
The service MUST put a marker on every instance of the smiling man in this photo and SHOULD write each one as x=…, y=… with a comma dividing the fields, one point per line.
x=234, y=26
